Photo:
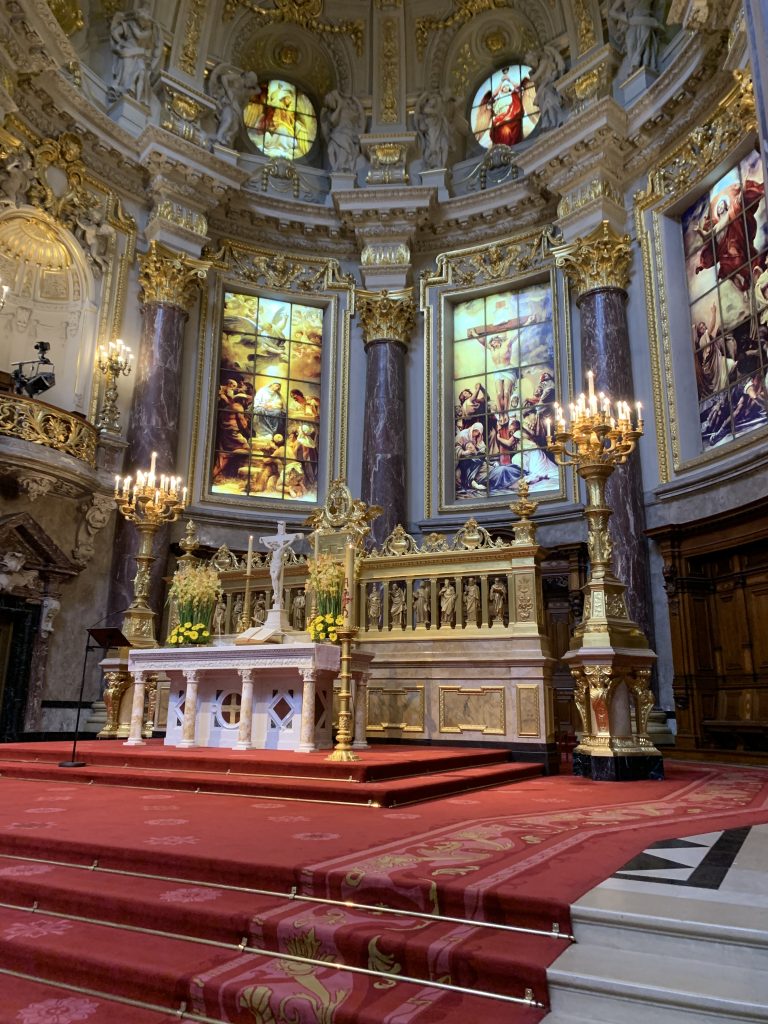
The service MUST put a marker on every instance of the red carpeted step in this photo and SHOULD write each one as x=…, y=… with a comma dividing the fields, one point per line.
x=383, y=794
x=379, y=763
x=33, y=1002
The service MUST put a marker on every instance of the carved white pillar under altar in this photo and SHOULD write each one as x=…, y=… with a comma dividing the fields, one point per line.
x=246, y=711
x=190, y=708
x=307, y=739
x=137, y=711
x=361, y=712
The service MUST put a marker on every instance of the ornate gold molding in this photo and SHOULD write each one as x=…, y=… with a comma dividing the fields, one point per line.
x=68, y=15
x=465, y=10
x=192, y=30
x=168, y=277
x=601, y=259
x=386, y=316
x=390, y=73
x=42, y=424
x=586, y=193
x=304, y=13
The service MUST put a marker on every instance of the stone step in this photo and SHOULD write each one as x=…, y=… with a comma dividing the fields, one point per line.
x=623, y=986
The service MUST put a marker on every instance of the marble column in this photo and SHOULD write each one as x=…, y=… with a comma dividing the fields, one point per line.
x=168, y=287
x=137, y=713
x=361, y=711
x=598, y=265
x=246, y=710
x=189, y=721
x=387, y=320
x=307, y=738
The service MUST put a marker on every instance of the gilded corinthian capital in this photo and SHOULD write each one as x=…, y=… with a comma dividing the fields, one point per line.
x=386, y=316
x=599, y=260
x=169, y=277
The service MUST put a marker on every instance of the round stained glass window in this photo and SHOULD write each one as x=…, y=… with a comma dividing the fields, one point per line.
x=504, y=110
x=280, y=120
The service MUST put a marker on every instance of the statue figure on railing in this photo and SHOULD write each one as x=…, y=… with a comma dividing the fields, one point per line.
x=219, y=615
x=137, y=46
x=259, y=610
x=397, y=606
x=471, y=602
x=498, y=596
x=447, y=603
x=421, y=604
x=374, y=608
x=298, y=610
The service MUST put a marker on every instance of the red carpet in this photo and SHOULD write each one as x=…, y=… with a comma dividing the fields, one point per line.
x=516, y=855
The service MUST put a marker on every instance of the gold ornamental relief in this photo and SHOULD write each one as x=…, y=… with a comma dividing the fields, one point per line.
x=168, y=277
x=68, y=15
x=386, y=316
x=601, y=259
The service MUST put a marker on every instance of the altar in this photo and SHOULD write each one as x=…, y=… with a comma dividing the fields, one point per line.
x=271, y=696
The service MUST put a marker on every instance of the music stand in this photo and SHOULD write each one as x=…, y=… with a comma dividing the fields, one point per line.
x=98, y=639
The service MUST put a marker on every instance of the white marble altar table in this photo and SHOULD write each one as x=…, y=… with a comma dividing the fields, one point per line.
x=241, y=696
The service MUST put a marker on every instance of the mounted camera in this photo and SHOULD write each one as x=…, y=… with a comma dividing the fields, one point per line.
x=33, y=376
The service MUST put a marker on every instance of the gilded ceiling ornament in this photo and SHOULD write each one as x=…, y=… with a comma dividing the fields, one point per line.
x=494, y=262
x=273, y=270
x=463, y=12
x=599, y=260
x=305, y=13
x=68, y=15
x=386, y=316
x=168, y=277
x=495, y=41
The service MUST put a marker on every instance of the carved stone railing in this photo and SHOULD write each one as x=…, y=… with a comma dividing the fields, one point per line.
x=43, y=424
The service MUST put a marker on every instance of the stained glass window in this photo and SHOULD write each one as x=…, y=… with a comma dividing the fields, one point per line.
x=504, y=110
x=725, y=235
x=504, y=389
x=268, y=420
x=280, y=120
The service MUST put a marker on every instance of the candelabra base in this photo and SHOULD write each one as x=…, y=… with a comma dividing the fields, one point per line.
x=617, y=767
x=342, y=754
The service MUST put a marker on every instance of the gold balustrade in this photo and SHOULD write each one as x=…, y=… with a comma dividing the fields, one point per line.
x=43, y=424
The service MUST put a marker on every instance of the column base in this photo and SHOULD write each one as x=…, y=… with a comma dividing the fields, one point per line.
x=186, y=745
x=240, y=746
x=618, y=767
x=134, y=743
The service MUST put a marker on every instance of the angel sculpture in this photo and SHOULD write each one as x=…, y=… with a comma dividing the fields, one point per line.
x=231, y=88
x=137, y=47
x=635, y=26
x=546, y=68
x=342, y=120
x=434, y=118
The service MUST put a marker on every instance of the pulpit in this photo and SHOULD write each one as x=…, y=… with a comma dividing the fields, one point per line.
x=271, y=696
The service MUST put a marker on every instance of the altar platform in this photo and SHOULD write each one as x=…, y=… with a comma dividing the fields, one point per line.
x=384, y=776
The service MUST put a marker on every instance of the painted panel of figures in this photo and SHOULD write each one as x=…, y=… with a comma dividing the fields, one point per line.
x=280, y=120
x=504, y=110
x=504, y=389
x=725, y=236
x=268, y=419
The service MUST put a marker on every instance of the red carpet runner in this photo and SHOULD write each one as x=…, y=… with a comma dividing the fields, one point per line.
x=514, y=855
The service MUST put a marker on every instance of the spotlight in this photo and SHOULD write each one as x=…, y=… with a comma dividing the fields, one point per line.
x=33, y=376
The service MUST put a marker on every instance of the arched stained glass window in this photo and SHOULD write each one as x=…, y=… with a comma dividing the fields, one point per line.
x=504, y=110
x=268, y=424
x=281, y=120
x=725, y=235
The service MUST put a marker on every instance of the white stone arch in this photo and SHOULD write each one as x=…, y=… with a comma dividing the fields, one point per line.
x=51, y=297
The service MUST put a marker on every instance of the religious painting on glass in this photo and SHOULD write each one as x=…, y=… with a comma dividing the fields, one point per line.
x=280, y=120
x=725, y=235
x=504, y=389
x=268, y=419
x=504, y=110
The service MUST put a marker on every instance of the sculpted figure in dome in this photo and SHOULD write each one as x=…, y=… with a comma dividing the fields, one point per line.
x=137, y=45
x=636, y=28
x=433, y=118
x=546, y=68
x=342, y=120
x=231, y=88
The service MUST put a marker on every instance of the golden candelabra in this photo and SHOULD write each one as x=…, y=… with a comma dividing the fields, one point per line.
x=114, y=361
x=609, y=657
x=343, y=749
x=149, y=503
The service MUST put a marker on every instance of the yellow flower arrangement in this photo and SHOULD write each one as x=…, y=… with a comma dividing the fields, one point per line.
x=324, y=628
x=195, y=590
x=325, y=584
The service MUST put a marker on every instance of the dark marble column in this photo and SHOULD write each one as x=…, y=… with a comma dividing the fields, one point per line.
x=387, y=324
x=599, y=267
x=168, y=288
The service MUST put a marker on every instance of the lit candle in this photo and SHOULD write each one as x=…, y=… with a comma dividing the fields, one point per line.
x=250, y=551
x=591, y=383
x=127, y=486
x=117, y=485
x=572, y=407
x=639, y=408
x=157, y=498
x=548, y=422
x=349, y=583
x=152, y=464
x=184, y=497
x=613, y=423
x=592, y=405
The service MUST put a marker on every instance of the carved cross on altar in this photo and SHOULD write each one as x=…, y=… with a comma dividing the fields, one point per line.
x=277, y=545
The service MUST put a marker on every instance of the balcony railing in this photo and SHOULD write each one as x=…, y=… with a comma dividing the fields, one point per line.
x=43, y=424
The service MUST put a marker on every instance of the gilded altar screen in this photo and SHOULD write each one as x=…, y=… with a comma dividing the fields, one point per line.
x=504, y=389
x=268, y=420
x=725, y=235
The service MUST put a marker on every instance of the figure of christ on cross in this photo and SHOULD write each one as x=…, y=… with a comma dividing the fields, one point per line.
x=277, y=546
